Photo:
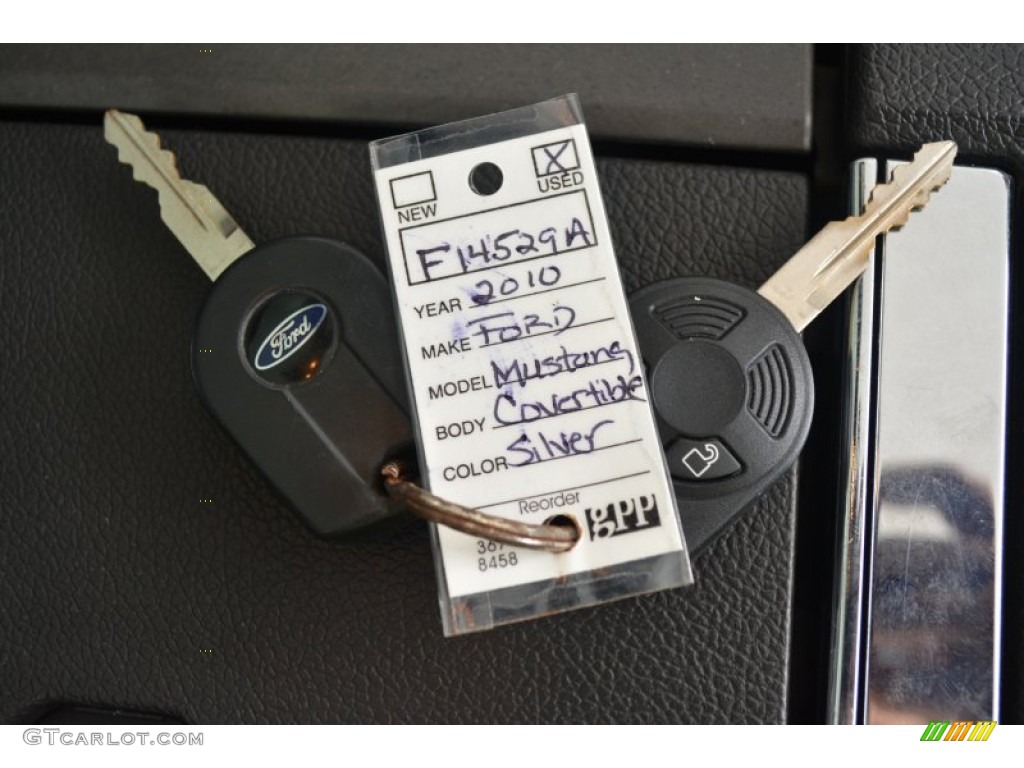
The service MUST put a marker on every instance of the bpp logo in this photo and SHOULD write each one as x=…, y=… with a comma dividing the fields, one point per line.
x=627, y=516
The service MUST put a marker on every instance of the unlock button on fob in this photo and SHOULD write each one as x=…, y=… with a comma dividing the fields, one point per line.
x=700, y=460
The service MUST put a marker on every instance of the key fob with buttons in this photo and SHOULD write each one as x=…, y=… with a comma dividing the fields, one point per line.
x=732, y=390
x=730, y=380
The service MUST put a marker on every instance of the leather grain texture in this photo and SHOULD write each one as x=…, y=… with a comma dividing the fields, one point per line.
x=120, y=588
x=901, y=96
x=904, y=95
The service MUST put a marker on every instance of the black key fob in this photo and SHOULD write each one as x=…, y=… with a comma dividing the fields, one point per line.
x=732, y=390
x=296, y=354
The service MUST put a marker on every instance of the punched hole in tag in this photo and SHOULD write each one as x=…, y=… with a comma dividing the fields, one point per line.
x=485, y=179
x=565, y=521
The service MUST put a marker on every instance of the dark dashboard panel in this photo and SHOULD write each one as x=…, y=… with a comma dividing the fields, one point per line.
x=736, y=96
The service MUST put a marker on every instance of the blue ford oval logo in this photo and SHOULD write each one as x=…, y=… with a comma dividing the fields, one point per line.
x=289, y=336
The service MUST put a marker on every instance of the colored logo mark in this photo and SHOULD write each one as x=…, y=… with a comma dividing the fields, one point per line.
x=959, y=730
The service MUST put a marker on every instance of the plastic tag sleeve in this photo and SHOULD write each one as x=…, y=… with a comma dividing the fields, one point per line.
x=530, y=396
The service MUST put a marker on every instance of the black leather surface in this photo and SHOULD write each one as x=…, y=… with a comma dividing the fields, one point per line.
x=119, y=588
x=902, y=96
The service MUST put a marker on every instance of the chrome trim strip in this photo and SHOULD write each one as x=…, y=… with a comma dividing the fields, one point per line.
x=936, y=557
x=844, y=702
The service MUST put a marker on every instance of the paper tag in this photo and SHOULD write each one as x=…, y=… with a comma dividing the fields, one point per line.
x=530, y=394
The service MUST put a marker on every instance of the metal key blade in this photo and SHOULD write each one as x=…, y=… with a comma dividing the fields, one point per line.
x=188, y=209
x=838, y=254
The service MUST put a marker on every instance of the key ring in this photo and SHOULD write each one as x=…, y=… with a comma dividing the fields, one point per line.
x=546, y=537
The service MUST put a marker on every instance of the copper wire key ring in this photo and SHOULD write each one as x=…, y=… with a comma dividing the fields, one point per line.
x=545, y=537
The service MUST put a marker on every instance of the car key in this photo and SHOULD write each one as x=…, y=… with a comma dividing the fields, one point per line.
x=730, y=378
x=295, y=350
